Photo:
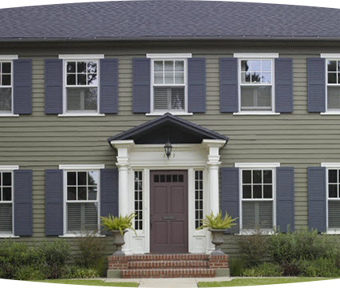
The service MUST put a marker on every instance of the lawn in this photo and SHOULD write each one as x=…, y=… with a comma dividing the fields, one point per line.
x=65, y=283
x=257, y=281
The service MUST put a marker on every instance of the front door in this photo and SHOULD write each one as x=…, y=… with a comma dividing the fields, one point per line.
x=169, y=211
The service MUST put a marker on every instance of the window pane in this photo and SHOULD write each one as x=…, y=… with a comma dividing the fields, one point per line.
x=179, y=78
x=169, y=66
x=82, y=217
x=93, y=178
x=71, y=79
x=244, y=65
x=71, y=178
x=6, y=179
x=256, y=77
x=81, y=79
x=169, y=78
x=266, y=214
x=92, y=67
x=333, y=97
x=82, y=99
x=266, y=78
x=158, y=66
x=331, y=65
x=257, y=215
x=177, y=98
x=7, y=194
x=267, y=191
x=246, y=191
x=333, y=176
x=248, y=215
x=6, y=218
x=245, y=77
x=246, y=176
x=81, y=67
x=254, y=65
x=179, y=65
x=92, y=193
x=257, y=191
x=161, y=98
x=92, y=79
x=5, y=99
x=82, y=178
x=74, y=217
x=257, y=176
x=266, y=65
x=256, y=98
x=158, y=78
x=6, y=67
x=334, y=214
x=267, y=176
x=91, y=216
x=82, y=193
x=71, y=67
x=333, y=190
x=71, y=193
x=331, y=78
x=6, y=80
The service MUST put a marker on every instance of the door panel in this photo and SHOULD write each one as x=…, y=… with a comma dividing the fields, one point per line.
x=169, y=212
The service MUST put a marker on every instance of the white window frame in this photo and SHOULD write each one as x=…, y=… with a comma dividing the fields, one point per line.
x=139, y=231
x=81, y=168
x=78, y=58
x=171, y=57
x=10, y=169
x=330, y=166
x=9, y=58
x=256, y=56
x=257, y=166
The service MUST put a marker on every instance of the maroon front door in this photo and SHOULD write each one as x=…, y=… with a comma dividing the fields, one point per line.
x=169, y=211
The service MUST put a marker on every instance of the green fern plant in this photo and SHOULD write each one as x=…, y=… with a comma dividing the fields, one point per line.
x=217, y=221
x=121, y=223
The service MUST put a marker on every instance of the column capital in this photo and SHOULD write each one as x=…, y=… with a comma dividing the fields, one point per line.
x=123, y=149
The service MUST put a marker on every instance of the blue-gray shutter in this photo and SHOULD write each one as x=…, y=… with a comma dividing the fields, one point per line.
x=54, y=202
x=23, y=203
x=22, y=86
x=228, y=85
x=284, y=85
x=141, y=85
x=108, y=86
x=53, y=86
x=109, y=192
x=285, y=198
x=316, y=80
x=317, y=198
x=196, y=85
x=230, y=194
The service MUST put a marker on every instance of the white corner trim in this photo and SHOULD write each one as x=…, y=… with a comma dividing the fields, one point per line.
x=330, y=164
x=330, y=55
x=81, y=56
x=263, y=113
x=172, y=113
x=81, y=115
x=258, y=165
x=8, y=115
x=8, y=57
x=256, y=55
x=168, y=55
x=9, y=168
x=81, y=166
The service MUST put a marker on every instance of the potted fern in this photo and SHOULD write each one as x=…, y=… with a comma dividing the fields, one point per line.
x=217, y=225
x=118, y=226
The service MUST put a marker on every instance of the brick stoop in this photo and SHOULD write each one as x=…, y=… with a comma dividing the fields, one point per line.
x=168, y=266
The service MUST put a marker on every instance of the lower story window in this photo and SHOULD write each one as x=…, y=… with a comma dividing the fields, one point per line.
x=198, y=198
x=333, y=199
x=6, y=203
x=138, y=200
x=82, y=203
x=257, y=198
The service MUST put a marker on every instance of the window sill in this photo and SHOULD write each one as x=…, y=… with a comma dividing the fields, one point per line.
x=330, y=113
x=8, y=115
x=333, y=232
x=79, y=236
x=257, y=113
x=9, y=236
x=80, y=115
x=172, y=113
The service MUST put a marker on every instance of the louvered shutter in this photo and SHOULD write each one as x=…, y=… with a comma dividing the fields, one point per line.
x=23, y=203
x=230, y=194
x=316, y=81
x=284, y=85
x=22, y=86
x=229, y=85
x=141, y=85
x=53, y=86
x=196, y=85
x=108, y=86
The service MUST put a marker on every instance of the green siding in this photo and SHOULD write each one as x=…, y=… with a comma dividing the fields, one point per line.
x=40, y=141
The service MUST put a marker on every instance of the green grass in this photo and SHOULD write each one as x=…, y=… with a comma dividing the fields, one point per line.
x=257, y=281
x=65, y=283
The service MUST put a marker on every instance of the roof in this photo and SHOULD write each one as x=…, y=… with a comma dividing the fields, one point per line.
x=162, y=128
x=171, y=19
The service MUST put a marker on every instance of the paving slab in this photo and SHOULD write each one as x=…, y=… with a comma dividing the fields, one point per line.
x=213, y=279
x=168, y=283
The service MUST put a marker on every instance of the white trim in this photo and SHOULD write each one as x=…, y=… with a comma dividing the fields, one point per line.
x=81, y=166
x=4, y=236
x=171, y=112
x=82, y=114
x=81, y=56
x=80, y=235
x=331, y=164
x=168, y=55
x=330, y=113
x=330, y=55
x=8, y=115
x=256, y=55
x=251, y=113
x=9, y=167
x=8, y=57
x=258, y=165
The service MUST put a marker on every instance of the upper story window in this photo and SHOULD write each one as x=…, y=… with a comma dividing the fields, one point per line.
x=169, y=83
x=333, y=85
x=6, y=90
x=6, y=203
x=256, y=84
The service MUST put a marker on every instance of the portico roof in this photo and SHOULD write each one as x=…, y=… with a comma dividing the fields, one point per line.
x=168, y=126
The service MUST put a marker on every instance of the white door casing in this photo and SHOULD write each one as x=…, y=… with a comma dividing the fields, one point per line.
x=147, y=157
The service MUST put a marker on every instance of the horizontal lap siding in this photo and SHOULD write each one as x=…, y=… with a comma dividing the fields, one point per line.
x=40, y=141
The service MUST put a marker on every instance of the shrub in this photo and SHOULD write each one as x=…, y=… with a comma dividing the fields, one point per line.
x=264, y=270
x=81, y=272
x=29, y=273
x=254, y=248
x=321, y=267
x=236, y=266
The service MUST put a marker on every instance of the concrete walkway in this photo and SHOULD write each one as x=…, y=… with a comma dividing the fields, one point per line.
x=168, y=282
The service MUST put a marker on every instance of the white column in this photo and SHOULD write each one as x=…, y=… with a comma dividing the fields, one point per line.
x=123, y=147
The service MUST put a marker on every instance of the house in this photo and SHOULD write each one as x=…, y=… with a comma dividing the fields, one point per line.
x=245, y=97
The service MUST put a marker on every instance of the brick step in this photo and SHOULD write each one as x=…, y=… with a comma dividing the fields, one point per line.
x=167, y=273
x=168, y=264
x=158, y=257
